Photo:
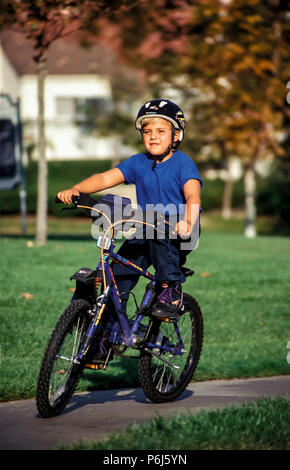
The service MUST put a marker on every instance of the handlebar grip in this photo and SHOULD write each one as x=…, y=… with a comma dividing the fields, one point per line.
x=82, y=199
x=75, y=200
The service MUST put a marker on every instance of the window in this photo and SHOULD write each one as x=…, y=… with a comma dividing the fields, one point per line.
x=81, y=110
x=65, y=108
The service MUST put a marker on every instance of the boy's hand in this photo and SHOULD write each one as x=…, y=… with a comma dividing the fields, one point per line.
x=183, y=228
x=66, y=195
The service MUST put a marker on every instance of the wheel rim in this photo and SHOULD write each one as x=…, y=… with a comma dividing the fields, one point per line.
x=166, y=378
x=64, y=363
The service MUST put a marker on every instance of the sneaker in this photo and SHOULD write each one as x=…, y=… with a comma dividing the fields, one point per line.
x=169, y=302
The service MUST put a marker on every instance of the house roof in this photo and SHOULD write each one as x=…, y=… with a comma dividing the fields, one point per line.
x=65, y=56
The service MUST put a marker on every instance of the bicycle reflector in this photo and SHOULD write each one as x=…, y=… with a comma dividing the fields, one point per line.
x=107, y=242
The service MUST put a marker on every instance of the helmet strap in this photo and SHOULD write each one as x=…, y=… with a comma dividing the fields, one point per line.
x=159, y=158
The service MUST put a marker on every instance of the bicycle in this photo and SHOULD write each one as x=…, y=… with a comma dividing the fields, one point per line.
x=95, y=323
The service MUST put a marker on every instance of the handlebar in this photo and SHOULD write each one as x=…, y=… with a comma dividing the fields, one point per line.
x=81, y=200
x=89, y=202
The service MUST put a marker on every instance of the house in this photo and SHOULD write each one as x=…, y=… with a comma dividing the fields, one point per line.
x=77, y=85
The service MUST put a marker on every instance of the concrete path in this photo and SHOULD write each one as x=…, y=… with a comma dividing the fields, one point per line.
x=91, y=415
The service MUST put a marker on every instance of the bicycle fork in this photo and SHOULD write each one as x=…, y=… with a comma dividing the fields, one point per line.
x=90, y=334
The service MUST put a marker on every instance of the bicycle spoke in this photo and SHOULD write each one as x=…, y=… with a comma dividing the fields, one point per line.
x=172, y=370
x=64, y=362
x=159, y=384
x=75, y=339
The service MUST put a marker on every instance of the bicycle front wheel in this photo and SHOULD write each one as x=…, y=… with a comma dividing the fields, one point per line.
x=165, y=381
x=59, y=373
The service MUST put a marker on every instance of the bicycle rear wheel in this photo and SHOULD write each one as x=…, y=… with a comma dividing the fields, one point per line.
x=59, y=374
x=164, y=382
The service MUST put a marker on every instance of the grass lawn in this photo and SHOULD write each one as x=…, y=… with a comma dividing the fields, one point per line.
x=241, y=285
x=260, y=426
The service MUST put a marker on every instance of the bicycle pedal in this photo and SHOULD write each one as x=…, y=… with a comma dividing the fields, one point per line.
x=96, y=365
x=172, y=319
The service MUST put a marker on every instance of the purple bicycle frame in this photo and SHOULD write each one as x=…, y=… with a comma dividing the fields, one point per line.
x=129, y=333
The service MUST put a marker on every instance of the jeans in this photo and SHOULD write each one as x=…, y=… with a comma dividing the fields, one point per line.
x=164, y=254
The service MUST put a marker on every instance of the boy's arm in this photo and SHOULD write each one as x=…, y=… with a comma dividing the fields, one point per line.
x=94, y=183
x=191, y=191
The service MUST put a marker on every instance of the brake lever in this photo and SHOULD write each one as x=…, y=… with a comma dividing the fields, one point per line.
x=75, y=201
x=159, y=227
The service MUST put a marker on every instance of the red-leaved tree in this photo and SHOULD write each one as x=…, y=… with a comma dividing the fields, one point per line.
x=44, y=21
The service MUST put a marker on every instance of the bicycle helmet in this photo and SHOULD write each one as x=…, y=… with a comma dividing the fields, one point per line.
x=164, y=109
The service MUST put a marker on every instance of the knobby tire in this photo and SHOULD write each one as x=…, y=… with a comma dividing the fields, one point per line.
x=160, y=382
x=74, y=319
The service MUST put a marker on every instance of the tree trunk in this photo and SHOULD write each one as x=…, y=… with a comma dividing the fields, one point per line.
x=227, y=197
x=228, y=187
x=117, y=145
x=250, y=201
x=41, y=217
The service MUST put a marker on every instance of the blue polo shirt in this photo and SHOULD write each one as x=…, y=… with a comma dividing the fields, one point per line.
x=163, y=184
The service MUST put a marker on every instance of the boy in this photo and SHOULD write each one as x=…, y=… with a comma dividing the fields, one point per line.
x=162, y=175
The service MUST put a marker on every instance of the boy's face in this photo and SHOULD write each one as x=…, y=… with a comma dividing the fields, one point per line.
x=157, y=136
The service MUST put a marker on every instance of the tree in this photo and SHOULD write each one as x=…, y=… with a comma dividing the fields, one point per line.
x=235, y=54
x=244, y=59
x=44, y=21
